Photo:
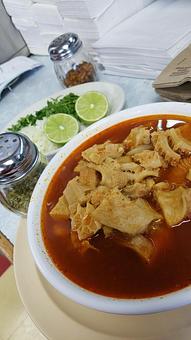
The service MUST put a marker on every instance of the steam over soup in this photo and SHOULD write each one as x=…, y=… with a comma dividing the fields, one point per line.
x=116, y=217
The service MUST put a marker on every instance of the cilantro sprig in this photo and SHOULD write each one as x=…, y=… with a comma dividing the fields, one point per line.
x=63, y=105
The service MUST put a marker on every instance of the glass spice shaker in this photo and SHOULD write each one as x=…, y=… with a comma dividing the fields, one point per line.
x=20, y=167
x=72, y=63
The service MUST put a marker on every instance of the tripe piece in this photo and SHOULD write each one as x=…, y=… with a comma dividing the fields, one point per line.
x=178, y=142
x=76, y=193
x=138, y=190
x=131, y=217
x=142, y=246
x=175, y=204
x=61, y=209
x=99, y=152
x=138, y=136
x=148, y=159
x=84, y=223
x=161, y=145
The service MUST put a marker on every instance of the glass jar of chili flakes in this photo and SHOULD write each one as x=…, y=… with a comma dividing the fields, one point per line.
x=72, y=63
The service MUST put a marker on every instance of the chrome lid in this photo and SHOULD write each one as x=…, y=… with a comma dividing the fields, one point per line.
x=18, y=155
x=64, y=46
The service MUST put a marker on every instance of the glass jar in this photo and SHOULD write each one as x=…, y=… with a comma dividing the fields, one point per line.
x=21, y=165
x=72, y=63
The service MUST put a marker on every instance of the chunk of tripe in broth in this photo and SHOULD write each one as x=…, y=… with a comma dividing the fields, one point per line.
x=142, y=245
x=61, y=209
x=131, y=217
x=175, y=204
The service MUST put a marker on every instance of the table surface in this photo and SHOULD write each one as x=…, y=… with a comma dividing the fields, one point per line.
x=38, y=84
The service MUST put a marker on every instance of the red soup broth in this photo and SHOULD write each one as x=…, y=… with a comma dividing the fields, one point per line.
x=114, y=270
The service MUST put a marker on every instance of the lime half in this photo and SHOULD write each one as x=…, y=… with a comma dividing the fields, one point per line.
x=60, y=128
x=91, y=106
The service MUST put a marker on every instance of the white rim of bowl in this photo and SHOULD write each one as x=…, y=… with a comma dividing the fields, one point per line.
x=44, y=263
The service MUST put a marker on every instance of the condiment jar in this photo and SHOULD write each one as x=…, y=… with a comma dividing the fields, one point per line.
x=72, y=63
x=20, y=167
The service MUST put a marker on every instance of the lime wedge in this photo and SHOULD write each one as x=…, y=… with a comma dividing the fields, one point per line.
x=91, y=106
x=60, y=128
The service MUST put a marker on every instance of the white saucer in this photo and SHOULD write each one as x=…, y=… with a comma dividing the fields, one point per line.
x=58, y=318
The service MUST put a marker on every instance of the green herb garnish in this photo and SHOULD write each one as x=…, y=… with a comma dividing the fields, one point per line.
x=63, y=105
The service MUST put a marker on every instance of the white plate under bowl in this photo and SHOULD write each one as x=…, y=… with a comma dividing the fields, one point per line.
x=51, y=273
x=113, y=92
x=59, y=318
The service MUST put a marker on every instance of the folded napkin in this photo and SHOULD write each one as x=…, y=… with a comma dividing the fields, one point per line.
x=98, y=7
x=14, y=68
x=143, y=30
x=174, y=82
x=19, y=9
x=50, y=2
x=46, y=14
x=73, y=8
x=117, y=12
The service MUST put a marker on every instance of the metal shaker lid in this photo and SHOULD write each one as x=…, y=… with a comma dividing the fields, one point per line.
x=18, y=155
x=64, y=46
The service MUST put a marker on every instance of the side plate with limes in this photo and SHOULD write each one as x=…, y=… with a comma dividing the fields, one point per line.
x=115, y=98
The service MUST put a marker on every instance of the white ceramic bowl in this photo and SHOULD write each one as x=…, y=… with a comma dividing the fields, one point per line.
x=44, y=263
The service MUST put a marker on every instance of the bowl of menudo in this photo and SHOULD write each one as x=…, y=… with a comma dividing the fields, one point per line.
x=109, y=222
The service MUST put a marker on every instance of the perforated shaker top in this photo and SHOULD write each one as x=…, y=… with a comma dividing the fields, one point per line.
x=17, y=157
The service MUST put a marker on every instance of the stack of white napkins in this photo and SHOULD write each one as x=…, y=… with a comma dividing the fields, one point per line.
x=133, y=38
x=117, y=11
x=79, y=16
x=144, y=43
x=41, y=21
x=49, y=23
x=73, y=8
x=31, y=33
x=19, y=9
x=82, y=9
x=22, y=17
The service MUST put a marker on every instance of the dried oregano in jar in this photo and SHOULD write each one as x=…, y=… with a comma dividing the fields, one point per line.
x=19, y=194
x=20, y=168
x=72, y=63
